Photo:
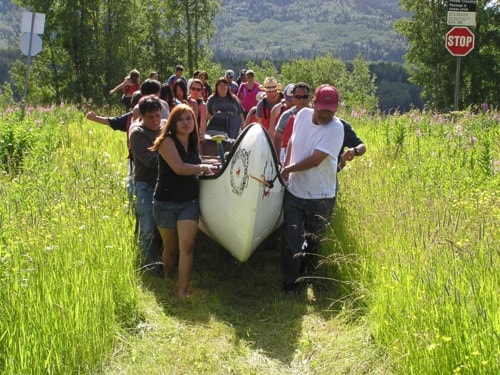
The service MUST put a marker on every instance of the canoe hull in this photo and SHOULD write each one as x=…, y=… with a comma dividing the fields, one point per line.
x=242, y=205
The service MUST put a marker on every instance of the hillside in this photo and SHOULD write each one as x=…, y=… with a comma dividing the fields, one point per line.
x=283, y=30
x=287, y=29
x=10, y=22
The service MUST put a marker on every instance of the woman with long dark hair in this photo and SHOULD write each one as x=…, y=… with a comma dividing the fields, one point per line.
x=176, y=206
x=224, y=110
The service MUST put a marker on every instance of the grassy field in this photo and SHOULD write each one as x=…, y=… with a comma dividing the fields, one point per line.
x=410, y=266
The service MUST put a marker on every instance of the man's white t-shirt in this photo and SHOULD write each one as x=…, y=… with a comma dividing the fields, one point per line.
x=318, y=182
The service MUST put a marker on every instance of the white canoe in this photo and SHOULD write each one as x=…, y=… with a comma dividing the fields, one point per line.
x=241, y=205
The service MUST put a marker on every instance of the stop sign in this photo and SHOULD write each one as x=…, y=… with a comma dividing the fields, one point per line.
x=459, y=41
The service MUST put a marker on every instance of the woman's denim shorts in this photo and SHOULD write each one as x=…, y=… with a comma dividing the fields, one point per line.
x=167, y=214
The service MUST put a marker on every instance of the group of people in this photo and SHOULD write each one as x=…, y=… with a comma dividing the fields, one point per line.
x=164, y=135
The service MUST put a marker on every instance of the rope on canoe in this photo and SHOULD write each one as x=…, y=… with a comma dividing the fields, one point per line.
x=262, y=180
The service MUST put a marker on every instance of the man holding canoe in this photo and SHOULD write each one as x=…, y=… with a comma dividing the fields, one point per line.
x=310, y=169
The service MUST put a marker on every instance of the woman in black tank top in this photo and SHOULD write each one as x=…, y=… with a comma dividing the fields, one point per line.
x=176, y=205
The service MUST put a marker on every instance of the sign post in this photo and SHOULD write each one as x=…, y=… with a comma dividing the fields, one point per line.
x=30, y=43
x=459, y=42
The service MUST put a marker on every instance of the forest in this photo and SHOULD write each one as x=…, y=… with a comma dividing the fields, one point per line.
x=86, y=51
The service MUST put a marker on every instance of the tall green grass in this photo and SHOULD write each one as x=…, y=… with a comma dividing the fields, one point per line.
x=67, y=279
x=416, y=239
x=414, y=252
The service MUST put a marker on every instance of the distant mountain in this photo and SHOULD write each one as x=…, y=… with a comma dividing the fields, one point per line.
x=286, y=29
x=10, y=23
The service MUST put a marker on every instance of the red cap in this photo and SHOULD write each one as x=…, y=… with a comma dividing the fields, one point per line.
x=326, y=97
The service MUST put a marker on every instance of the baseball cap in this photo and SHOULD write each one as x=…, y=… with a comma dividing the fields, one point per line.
x=260, y=95
x=229, y=73
x=326, y=97
x=289, y=92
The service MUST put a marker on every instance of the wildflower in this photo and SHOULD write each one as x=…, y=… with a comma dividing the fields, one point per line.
x=458, y=131
x=61, y=105
x=431, y=347
x=473, y=140
x=449, y=136
x=418, y=132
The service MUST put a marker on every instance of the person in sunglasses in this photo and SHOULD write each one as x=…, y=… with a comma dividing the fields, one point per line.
x=310, y=170
x=264, y=107
x=283, y=130
x=199, y=106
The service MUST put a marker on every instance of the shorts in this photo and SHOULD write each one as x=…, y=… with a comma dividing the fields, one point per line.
x=167, y=214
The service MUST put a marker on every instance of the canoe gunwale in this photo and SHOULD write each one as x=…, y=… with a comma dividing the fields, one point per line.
x=234, y=149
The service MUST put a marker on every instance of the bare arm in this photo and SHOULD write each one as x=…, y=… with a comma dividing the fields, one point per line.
x=277, y=140
x=169, y=153
x=93, y=117
x=350, y=153
x=275, y=112
x=202, y=108
x=250, y=115
x=119, y=87
x=309, y=162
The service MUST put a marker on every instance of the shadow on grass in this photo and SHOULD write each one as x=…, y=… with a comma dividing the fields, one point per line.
x=341, y=262
x=245, y=296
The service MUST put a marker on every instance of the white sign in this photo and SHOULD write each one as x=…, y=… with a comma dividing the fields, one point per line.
x=38, y=23
x=461, y=19
x=24, y=44
x=461, y=12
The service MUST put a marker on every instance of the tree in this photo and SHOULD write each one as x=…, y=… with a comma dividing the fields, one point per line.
x=90, y=45
x=432, y=67
x=361, y=90
x=198, y=25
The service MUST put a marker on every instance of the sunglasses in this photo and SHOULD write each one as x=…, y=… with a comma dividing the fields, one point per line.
x=298, y=97
x=196, y=89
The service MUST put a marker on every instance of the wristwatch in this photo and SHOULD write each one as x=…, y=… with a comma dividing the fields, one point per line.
x=356, y=151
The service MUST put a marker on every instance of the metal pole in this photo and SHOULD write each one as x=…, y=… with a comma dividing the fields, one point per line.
x=28, y=63
x=457, y=84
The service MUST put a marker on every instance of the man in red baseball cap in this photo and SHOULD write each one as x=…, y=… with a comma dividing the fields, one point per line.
x=310, y=169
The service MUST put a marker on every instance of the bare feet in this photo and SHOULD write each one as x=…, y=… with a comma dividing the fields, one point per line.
x=182, y=294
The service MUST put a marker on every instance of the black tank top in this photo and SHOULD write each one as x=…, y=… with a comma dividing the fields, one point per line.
x=172, y=187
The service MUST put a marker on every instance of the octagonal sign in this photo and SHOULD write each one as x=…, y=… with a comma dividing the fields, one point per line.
x=24, y=44
x=459, y=41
